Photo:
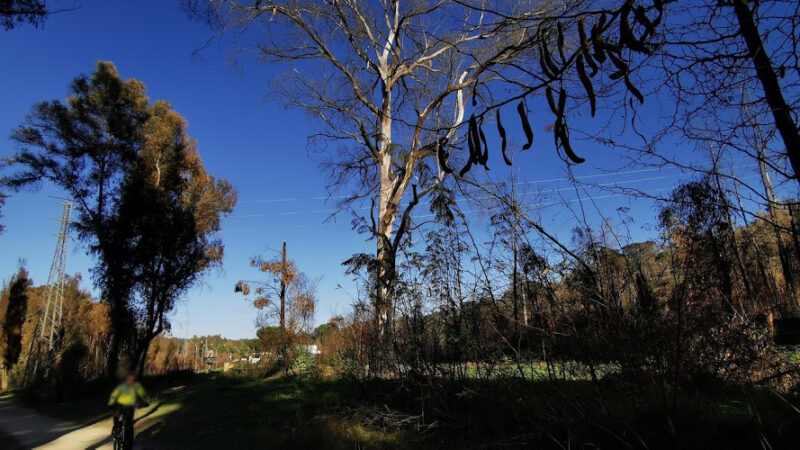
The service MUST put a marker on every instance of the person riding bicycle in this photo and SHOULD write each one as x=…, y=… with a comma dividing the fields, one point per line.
x=125, y=398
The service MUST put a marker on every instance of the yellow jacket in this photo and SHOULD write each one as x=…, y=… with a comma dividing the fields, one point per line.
x=125, y=395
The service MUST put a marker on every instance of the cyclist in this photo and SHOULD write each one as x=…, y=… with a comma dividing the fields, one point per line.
x=125, y=398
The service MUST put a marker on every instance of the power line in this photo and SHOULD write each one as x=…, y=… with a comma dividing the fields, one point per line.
x=330, y=211
x=542, y=181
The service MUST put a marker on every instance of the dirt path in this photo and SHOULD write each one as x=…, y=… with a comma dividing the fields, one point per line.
x=94, y=436
x=28, y=429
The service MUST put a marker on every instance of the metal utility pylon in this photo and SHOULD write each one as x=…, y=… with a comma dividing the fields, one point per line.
x=48, y=328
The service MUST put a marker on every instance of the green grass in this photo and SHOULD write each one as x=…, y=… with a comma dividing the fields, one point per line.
x=215, y=411
x=221, y=411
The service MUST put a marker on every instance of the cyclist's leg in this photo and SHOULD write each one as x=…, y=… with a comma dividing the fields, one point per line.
x=116, y=430
x=128, y=430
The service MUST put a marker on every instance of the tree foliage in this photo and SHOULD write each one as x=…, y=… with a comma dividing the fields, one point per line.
x=147, y=209
x=14, y=307
x=294, y=309
x=17, y=12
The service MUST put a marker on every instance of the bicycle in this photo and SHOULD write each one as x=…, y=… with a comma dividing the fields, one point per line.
x=122, y=431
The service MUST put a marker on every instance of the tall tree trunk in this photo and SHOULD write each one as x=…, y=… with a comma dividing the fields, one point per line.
x=387, y=213
x=283, y=294
x=769, y=82
x=112, y=361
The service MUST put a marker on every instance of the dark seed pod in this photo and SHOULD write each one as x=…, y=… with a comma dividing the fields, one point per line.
x=465, y=169
x=601, y=22
x=526, y=126
x=548, y=93
x=548, y=59
x=562, y=141
x=545, y=69
x=649, y=25
x=502, y=132
x=597, y=40
x=471, y=147
x=485, y=155
x=585, y=47
x=599, y=50
x=636, y=93
x=620, y=64
x=560, y=41
x=475, y=151
x=565, y=144
x=641, y=17
x=587, y=83
x=616, y=75
x=562, y=101
x=626, y=37
x=557, y=133
x=625, y=34
x=441, y=154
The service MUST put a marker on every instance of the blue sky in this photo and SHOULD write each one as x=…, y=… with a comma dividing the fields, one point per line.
x=258, y=145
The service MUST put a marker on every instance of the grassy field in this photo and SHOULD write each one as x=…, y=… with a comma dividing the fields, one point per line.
x=217, y=411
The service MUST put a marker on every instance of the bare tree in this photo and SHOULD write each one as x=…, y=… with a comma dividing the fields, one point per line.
x=391, y=81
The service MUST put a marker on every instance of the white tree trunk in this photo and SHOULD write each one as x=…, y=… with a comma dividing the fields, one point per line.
x=387, y=213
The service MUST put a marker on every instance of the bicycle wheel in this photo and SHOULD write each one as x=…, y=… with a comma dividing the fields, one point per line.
x=118, y=434
x=117, y=439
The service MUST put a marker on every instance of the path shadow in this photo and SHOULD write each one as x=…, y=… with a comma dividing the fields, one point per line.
x=25, y=428
x=108, y=439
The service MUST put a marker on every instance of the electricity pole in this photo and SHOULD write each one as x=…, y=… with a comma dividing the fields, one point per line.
x=48, y=329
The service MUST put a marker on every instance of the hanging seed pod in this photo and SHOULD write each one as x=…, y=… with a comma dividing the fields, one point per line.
x=649, y=25
x=616, y=75
x=625, y=33
x=548, y=59
x=562, y=101
x=626, y=37
x=557, y=136
x=502, y=132
x=548, y=93
x=526, y=125
x=560, y=41
x=565, y=144
x=587, y=83
x=476, y=141
x=465, y=169
x=618, y=63
x=641, y=17
x=621, y=66
x=597, y=40
x=601, y=22
x=485, y=155
x=599, y=50
x=471, y=147
x=545, y=69
x=585, y=47
x=441, y=154
x=636, y=93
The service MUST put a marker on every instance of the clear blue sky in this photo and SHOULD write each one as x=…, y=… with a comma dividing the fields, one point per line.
x=257, y=145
